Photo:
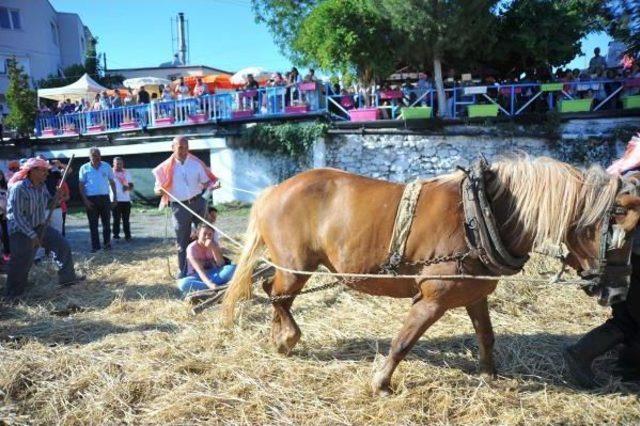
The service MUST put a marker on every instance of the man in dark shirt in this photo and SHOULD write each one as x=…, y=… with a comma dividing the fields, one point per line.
x=252, y=84
x=624, y=325
x=143, y=96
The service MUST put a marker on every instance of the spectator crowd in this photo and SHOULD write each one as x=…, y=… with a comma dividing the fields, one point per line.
x=179, y=90
x=602, y=78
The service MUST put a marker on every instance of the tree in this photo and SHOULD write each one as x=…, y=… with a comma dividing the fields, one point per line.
x=283, y=18
x=623, y=22
x=20, y=99
x=344, y=35
x=456, y=32
x=538, y=34
x=91, y=62
x=70, y=75
x=73, y=72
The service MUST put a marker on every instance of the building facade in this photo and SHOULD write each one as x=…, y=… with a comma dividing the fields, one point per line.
x=42, y=40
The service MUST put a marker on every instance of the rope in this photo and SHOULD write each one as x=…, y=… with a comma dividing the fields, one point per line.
x=166, y=238
x=362, y=276
x=256, y=193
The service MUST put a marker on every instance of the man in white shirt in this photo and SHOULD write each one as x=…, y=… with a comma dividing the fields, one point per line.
x=95, y=179
x=184, y=176
x=122, y=210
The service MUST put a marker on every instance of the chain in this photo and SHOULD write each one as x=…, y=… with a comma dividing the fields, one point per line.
x=454, y=257
x=385, y=268
x=311, y=290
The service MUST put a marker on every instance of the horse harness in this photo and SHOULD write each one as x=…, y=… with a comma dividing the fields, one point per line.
x=481, y=233
x=611, y=262
x=483, y=238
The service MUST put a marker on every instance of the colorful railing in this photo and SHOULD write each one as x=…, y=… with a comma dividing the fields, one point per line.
x=315, y=99
x=491, y=100
x=258, y=104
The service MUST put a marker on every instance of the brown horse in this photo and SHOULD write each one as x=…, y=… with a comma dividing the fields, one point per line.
x=344, y=222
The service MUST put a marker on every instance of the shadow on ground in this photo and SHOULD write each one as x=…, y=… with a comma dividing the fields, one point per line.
x=55, y=331
x=535, y=359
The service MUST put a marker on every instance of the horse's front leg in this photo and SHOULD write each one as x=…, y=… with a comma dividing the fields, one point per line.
x=479, y=314
x=421, y=316
x=285, y=333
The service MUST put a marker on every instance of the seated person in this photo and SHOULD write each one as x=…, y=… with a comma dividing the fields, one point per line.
x=206, y=267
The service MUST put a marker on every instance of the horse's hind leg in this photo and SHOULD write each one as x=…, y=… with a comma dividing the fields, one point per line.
x=479, y=314
x=421, y=316
x=285, y=333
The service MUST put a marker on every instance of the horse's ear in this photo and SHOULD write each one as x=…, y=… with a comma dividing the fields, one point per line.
x=633, y=180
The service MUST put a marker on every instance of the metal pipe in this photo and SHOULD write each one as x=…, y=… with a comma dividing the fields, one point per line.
x=182, y=40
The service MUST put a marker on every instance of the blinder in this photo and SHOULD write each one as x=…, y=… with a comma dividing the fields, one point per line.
x=611, y=277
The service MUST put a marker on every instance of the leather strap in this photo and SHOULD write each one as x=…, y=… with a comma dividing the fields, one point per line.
x=402, y=225
x=482, y=233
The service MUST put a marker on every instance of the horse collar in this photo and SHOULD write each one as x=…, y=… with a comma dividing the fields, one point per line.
x=481, y=231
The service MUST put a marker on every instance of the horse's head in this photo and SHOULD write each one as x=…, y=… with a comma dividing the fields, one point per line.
x=601, y=254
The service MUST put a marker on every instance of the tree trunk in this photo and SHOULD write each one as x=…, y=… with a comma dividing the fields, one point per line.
x=437, y=79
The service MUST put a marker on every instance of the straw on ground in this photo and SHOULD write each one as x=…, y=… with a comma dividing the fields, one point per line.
x=124, y=348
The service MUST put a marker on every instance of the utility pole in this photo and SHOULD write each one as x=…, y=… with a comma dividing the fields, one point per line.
x=104, y=61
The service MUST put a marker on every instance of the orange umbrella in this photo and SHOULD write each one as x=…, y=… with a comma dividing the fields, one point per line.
x=122, y=92
x=220, y=81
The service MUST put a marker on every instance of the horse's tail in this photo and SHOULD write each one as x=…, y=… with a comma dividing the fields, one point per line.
x=240, y=286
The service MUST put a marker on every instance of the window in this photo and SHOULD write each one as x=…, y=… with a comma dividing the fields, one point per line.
x=5, y=22
x=54, y=33
x=10, y=19
x=15, y=18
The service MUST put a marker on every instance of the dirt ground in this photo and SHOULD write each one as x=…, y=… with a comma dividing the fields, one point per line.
x=123, y=348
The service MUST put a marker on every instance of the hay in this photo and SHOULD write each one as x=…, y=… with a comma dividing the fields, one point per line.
x=130, y=352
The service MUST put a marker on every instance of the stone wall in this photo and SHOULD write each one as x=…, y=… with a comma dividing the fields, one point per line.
x=405, y=157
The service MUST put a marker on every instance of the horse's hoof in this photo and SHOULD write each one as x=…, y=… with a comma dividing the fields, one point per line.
x=283, y=349
x=488, y=373
x=284, y=346
x=488, y=376
x=383, y=392
x=380, y=387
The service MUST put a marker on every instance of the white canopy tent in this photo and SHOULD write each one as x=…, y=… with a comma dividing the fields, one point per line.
x=259, y=74
x=136, y=83
x=83, y=88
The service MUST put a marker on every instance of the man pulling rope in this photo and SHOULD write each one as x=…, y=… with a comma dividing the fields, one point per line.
x=29, y=228
x=185, y=176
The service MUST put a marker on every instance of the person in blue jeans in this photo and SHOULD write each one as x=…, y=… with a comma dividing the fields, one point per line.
x=206, y=266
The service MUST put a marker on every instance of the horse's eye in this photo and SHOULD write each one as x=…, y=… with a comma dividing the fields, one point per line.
x=620, y=211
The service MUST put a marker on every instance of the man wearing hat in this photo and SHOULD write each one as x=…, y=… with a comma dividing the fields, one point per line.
x=26, y=205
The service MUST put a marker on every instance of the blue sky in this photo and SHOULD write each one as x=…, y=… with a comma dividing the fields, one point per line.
x=137, y=33
x=223, y=33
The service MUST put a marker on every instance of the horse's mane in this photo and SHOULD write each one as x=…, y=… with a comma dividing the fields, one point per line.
x=547, y=197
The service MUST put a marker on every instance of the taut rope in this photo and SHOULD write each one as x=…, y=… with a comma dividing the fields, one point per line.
x=363, y=276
